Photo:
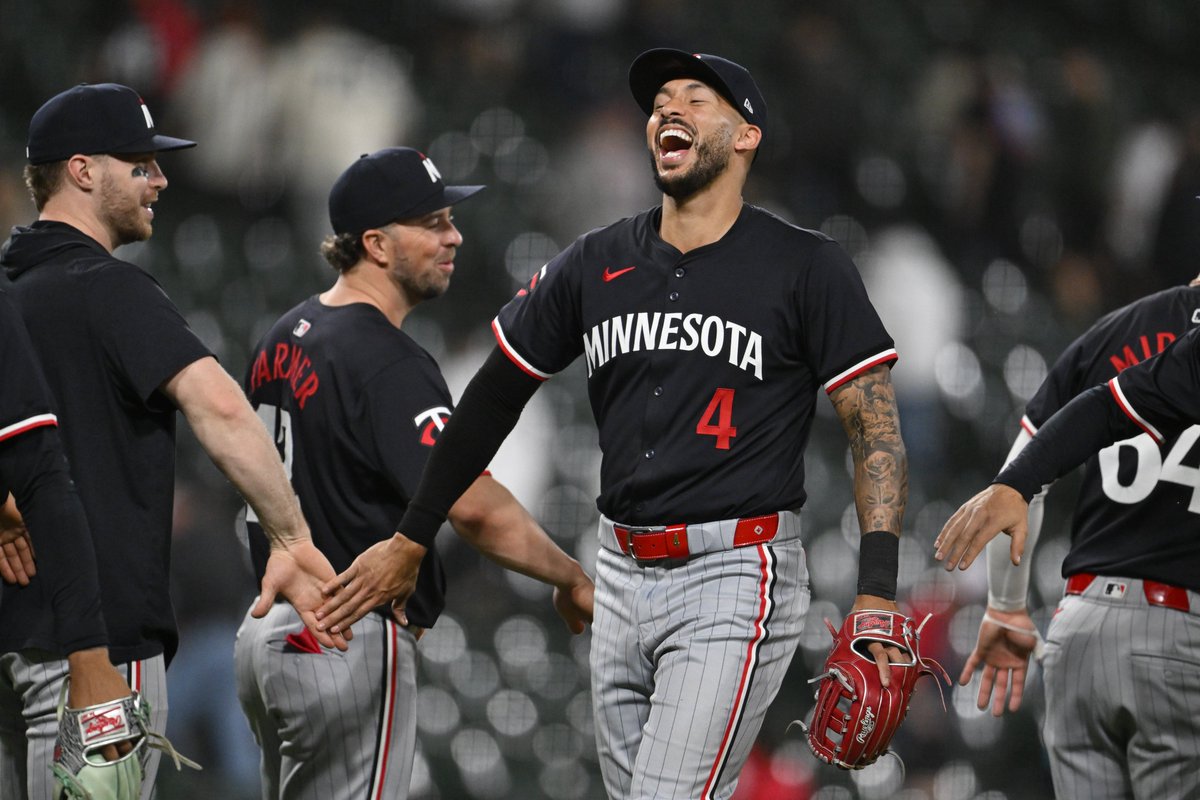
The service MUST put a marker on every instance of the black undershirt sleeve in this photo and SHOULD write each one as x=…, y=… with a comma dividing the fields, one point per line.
x=485, y=415
x=1081, y=428
x=34, y=470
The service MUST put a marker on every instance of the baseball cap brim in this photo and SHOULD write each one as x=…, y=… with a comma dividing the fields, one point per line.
x=157, y=143
x=451, y=195
x=653, y=68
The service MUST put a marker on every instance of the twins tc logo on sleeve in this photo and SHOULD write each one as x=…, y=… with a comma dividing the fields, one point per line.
x=430, y=423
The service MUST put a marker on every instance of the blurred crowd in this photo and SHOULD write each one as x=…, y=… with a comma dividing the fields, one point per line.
x=1002, y=173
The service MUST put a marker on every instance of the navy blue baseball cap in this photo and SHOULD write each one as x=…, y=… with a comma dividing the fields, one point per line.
x=732, y=81
x=90, y=119
x=388, y=185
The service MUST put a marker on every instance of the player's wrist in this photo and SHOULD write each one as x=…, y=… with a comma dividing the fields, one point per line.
x=878, y=564
x=1005, y=605
x=87, y=657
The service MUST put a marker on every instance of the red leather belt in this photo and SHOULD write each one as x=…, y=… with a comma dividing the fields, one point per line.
x=1157, y=594
x=672, y=540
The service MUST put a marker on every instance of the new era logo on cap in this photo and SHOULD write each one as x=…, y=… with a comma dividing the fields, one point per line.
x=732, y=81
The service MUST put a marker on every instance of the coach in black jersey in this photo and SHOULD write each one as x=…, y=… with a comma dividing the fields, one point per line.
x=1123, y=647
x=355, y=407
x=708, y=327
x=120, y=360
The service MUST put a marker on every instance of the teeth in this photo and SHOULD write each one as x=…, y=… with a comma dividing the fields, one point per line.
x=676, y=133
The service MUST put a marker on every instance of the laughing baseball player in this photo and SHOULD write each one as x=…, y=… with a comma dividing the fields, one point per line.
x=1119, y=649
x=708, y=326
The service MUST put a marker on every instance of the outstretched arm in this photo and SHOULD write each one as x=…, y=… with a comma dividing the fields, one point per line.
x=236, y=441
x=1007, y=635
x=1083, y=426
x=486, y=414
x=867, y=409
x=491, y=519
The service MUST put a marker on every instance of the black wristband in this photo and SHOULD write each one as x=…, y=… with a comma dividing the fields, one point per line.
x=878, y=563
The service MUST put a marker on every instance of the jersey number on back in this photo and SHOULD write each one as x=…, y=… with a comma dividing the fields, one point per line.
x=1151, y=467
x=279, y=425
x=720, y=411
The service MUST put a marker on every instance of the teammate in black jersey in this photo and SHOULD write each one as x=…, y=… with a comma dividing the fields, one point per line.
x=708, y=326
x=53, y=526
x=120, y=361
x=1124, y=643
x=355, y=407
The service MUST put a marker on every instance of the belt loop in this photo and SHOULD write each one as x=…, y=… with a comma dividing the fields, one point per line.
x=676, y=541
x=622, y=535
x=755, y=530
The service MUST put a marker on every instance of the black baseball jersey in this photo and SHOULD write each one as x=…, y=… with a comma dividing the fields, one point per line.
x=703, y=367
x=33, y=468
x=1138, y=512
x=107, y=337
x=354, y=405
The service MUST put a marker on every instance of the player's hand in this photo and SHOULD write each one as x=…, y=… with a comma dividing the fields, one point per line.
x=997, y=509
x=16, y=550
x=16, y=556
x=573, y=602
x=385, y=571
x=94, y=680
x=884, y=656
x=1003, y=656
x=298, y=572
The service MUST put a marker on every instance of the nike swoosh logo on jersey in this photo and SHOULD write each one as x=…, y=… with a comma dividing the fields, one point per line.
x=609, y=274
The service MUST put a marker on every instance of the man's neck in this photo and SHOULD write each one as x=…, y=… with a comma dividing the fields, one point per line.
x=699, y=220
x=85, y=223
x=356, y=287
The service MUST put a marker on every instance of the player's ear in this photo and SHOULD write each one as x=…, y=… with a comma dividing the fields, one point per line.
x=375, y=245
x=747, y=138
x=83, y=171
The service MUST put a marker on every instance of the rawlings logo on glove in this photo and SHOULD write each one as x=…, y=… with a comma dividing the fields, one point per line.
x=81, y=772
x=856, y=716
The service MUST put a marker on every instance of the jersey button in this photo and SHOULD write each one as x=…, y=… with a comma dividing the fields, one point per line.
x=650, y=453
x=658, y=391
x=680, y=272
x=673, y=296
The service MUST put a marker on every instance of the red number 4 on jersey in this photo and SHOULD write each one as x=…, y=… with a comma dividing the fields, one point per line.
x=721, y=407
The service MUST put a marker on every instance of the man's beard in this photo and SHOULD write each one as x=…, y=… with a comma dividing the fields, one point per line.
x=418, y=288
x=712, y=157
x=122, y=214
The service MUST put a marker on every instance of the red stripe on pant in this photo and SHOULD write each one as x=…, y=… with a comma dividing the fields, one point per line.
x=766, y=564
x=390, y=632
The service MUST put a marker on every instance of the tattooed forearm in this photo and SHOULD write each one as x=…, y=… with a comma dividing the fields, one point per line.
x=867, y=408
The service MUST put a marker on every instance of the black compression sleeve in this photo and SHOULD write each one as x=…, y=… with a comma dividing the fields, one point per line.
x=33, y=467
x=1080, y=429
x=486, y=414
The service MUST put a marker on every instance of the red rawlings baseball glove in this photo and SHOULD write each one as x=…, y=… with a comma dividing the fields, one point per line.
x=856, y=716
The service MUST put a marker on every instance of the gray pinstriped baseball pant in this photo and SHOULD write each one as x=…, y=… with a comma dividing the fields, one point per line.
x=685, y=660
x=1122, y=683
x=29, y=687
x=332, y=725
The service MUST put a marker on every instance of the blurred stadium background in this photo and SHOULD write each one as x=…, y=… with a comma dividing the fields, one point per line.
x=1002, y=172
